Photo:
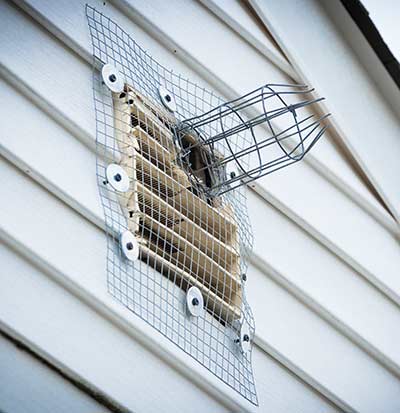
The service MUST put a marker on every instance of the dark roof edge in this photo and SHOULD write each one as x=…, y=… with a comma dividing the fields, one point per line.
x=361, y=17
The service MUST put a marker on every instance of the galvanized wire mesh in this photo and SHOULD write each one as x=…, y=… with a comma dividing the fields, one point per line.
x=187, y=234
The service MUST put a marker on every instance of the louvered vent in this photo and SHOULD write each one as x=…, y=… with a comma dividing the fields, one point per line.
x=191, y=239
x=178, y=233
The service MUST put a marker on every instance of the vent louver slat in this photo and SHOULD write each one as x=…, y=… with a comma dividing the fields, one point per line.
x=181, y=234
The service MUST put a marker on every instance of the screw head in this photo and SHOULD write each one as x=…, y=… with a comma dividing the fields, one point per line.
x=112, y=78
x=118, y=177
x=246, y=338
x=129, y=246
x=195, y=301
x=233, y=175
x=244, y=277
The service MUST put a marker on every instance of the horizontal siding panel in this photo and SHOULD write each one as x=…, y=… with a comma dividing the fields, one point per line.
x=324, y=279
x=323, y=211
x=89, y=348
x=79, y=255
x=20, y=391
x=331, y=359
x=239, y=17
x=69, y=89
x=50, y=154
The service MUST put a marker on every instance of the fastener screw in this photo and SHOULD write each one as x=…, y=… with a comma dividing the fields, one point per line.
x=112, y=78
x=129, y=246
x=118, y=177
x=195, y=301
x=246, y=338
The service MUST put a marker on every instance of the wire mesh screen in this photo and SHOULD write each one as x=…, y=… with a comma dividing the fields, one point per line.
x=177, y=244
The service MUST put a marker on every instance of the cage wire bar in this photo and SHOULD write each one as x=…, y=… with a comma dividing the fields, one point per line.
x=171, y=161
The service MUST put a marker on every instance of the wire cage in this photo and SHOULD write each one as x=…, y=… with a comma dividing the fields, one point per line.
x=226, y=160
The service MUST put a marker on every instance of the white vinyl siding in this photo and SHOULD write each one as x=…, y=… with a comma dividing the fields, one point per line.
x=323, y=281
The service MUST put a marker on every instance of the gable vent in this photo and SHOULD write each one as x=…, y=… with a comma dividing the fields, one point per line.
x=188, y=237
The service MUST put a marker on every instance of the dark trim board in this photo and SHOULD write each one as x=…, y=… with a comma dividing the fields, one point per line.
x=361, y=17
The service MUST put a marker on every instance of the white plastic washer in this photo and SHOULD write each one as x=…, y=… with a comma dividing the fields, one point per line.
x=129, y=246
x=194, y=301
x=112, y=78
x=167, y=99
x=245, y=338
x=117, y=178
